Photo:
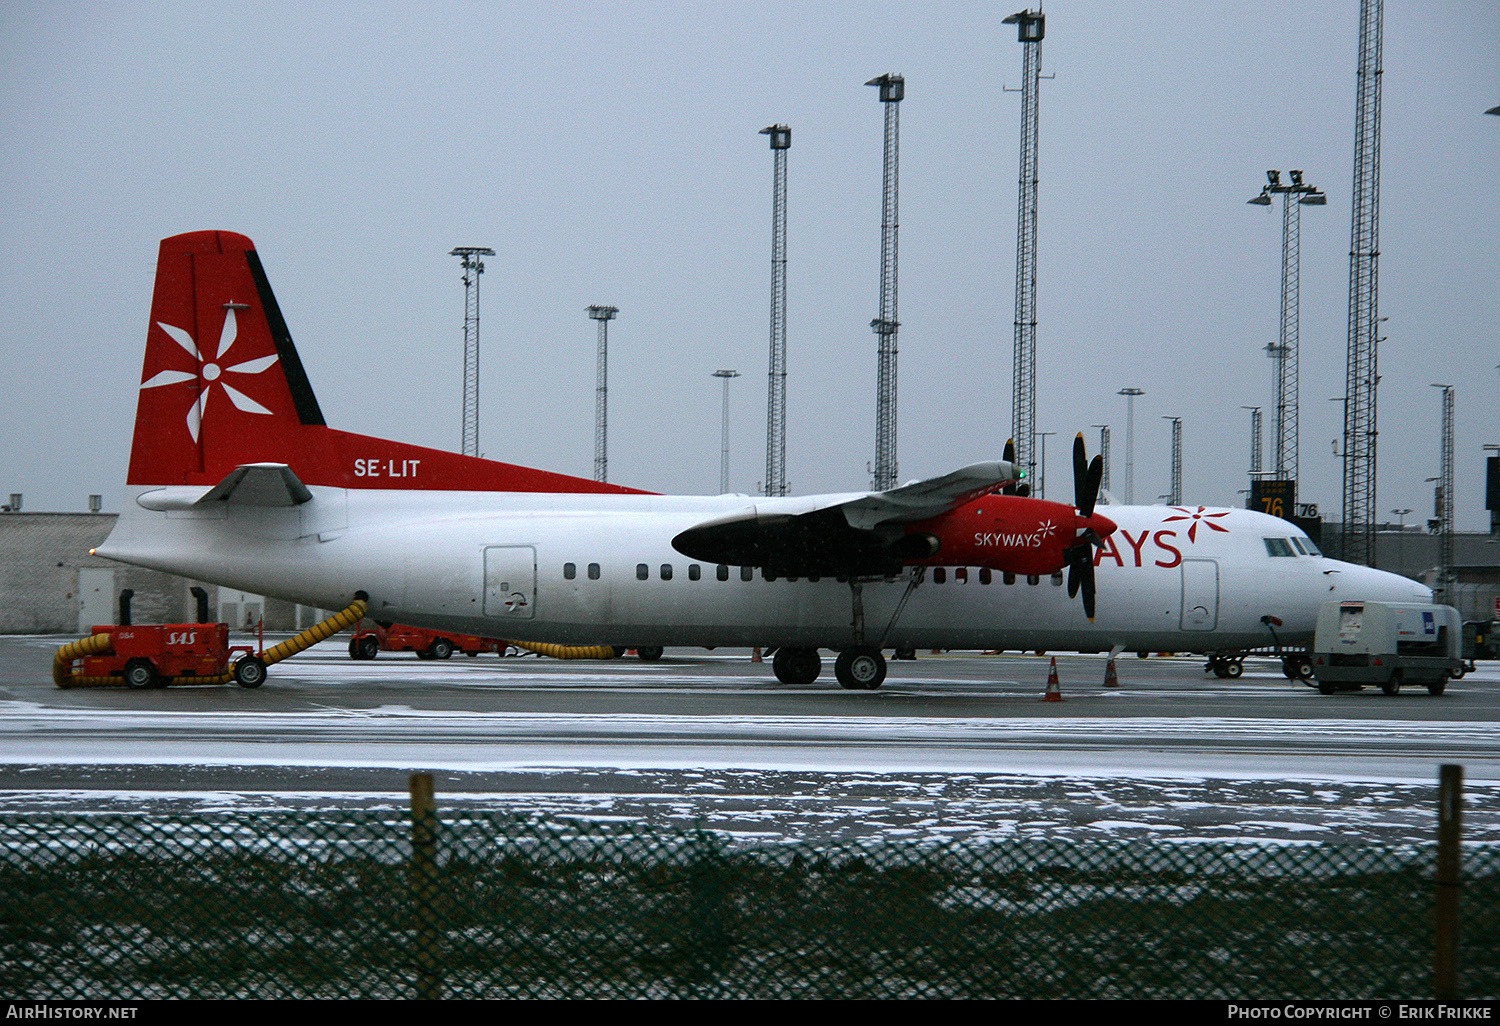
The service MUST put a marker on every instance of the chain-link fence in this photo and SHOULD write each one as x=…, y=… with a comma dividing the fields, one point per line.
x=345, y=904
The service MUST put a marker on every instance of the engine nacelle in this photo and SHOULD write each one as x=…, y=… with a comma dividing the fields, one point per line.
x=1008, y=533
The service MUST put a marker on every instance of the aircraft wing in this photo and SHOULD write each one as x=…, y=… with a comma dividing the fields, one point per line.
x=856, y=536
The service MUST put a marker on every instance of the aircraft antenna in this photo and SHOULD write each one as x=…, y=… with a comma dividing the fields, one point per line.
x=781, y=141
x=473, y=267
x=892, y=91
x=1174, y=497
x=1443, y=500
x=1030, y=26
x=602, y=314
x=1358, y=543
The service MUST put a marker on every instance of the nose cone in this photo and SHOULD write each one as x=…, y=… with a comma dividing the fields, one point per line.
x=1350, y=581
x=1102, y=525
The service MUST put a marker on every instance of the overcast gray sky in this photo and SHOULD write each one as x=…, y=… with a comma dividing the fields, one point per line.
x=609, y=154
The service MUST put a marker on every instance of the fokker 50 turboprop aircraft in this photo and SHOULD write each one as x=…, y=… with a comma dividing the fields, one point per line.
x=235, y=479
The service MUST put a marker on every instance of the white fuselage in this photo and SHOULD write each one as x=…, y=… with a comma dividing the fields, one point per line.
x=600, y=569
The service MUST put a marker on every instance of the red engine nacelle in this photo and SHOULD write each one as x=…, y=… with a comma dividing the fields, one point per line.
x=1008, y=533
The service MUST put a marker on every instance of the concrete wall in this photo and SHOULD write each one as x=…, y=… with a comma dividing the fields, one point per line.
x=50, y=584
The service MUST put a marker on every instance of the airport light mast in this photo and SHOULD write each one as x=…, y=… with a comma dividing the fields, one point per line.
x=602, y=314
x=1362, y=376
x=1255, y=436
x=727, y=376
x=1031, y=26
x=1294, y=197
x=1130, y=394
x=892, y=91
x=776, y=484
x=1174, y=497
x=473, y=267
x=1443, y=499
x=1103, y=455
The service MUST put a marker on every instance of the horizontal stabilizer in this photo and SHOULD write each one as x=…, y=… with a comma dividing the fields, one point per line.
x=259, y=484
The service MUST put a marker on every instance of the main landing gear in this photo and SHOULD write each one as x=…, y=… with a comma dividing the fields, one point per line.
x=797, y=666
x=858, y=668
x=861, y=668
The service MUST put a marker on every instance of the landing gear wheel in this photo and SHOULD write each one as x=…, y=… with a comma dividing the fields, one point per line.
x=441, y=648
x=139, y=674
x=649, y=654
x=861, y=668
x=249, y=672
x=797, y=666
x=1393, y=686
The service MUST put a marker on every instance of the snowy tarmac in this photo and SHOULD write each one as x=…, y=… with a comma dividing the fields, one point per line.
x=956, y=745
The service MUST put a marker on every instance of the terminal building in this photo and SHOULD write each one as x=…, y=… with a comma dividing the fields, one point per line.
x=50, y=583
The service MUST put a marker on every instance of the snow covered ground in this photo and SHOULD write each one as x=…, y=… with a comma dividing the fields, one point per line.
x=950, y=747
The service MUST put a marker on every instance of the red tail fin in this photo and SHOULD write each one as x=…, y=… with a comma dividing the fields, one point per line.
x=222, y=386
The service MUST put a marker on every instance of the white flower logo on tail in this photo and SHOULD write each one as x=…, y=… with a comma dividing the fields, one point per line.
x=212, y=371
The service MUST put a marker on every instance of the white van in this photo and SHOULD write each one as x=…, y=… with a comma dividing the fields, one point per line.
x=1359, y=643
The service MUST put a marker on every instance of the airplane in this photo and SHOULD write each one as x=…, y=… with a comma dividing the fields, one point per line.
x=235, y=479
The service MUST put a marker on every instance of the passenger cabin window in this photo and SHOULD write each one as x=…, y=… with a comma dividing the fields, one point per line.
x=695, y=572
x=570, y=571
x=961, y=575
x=642, y=572
x=666, y=571
x=593, y=571
x=985, y=576
x=1279, y=546
x=747, y=573
x=939, y=575
x=722, y=572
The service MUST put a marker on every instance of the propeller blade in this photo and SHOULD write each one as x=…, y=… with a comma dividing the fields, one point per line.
x=1081, y=576
x=1080, y=471
x=1090, y=493
x=1009, y=456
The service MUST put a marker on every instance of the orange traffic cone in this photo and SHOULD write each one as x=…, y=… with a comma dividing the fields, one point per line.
x=1054, y=691
x=1111, y=678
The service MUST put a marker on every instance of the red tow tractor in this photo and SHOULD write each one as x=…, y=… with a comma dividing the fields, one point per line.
x=396, y=637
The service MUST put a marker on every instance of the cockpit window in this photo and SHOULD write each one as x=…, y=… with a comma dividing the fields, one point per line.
x=1312, y=550
x=1297, y=544
x=1279, y=547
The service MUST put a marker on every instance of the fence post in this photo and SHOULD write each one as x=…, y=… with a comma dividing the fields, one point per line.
x=424, y=886
x=1449, y=874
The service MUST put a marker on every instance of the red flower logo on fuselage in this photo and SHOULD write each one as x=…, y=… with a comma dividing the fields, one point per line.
x=1199, y=516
